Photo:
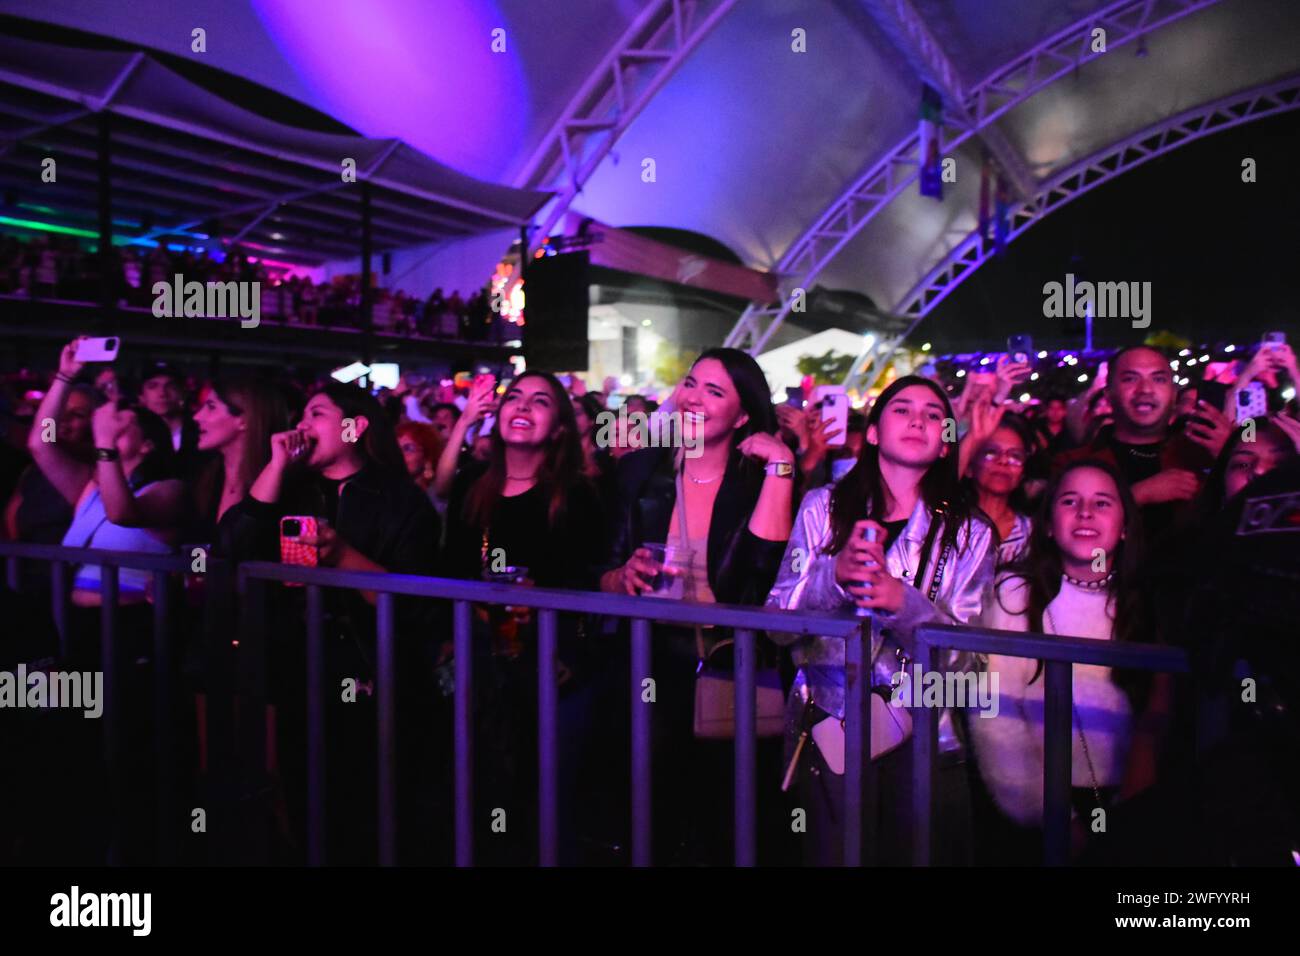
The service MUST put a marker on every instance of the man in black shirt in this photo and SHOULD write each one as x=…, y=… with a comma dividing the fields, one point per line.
x=1163, y=468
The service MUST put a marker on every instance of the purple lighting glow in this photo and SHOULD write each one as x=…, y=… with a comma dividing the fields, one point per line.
x=424, y=72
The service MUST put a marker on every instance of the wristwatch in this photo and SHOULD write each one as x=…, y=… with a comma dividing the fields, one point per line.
x=106, y=454
x=781, y=469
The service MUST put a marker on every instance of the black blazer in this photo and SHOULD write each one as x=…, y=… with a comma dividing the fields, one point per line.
x=742, y=567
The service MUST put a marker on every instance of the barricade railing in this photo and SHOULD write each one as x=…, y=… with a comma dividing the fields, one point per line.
x=1058, y=653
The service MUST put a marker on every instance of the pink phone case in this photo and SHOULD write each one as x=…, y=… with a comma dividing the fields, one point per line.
x=292, y=552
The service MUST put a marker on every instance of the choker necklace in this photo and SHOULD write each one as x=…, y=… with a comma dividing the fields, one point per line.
x=1098, y=585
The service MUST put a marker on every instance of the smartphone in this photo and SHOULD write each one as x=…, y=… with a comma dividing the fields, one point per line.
x=98, y=350
x=1274, y=338
x=1252, y=402
x=794, y=397
x=834, y=404
x=1020, y=348
x=292, y=527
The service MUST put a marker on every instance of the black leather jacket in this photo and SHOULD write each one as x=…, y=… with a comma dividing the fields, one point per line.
x=742, y=566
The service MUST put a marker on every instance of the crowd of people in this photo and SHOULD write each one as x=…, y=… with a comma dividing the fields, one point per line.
x=1075, y=516
x=57, y=267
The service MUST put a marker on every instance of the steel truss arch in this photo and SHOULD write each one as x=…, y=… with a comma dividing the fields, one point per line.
x=1003, y=90
x=635, y=69
x=1259, y=102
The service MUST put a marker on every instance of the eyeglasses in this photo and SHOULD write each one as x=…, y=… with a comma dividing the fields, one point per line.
x=1014, y=458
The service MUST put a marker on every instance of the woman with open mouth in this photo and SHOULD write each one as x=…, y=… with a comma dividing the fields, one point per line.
x=527, y=516
x=897, y=539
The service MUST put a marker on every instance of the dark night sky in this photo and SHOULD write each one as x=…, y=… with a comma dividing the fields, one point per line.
x=1220, y=254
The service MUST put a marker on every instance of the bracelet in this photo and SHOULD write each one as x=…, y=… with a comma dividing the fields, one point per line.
x=106, y=454
x=59, y=376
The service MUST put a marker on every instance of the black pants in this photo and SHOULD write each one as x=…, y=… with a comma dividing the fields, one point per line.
x=821, y=794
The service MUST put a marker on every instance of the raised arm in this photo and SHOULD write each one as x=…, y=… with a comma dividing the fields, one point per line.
x=62, y=470
x=482, y=398
x=159, y=508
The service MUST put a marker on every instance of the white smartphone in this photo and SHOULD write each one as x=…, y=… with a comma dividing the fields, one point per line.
x=1252, y=402
x=98, y=350
x=834, y=404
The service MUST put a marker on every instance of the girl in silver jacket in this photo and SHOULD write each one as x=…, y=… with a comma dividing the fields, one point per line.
x=930, y=562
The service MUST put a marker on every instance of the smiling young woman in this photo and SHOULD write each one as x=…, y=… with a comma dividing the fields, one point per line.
x=1077, y=579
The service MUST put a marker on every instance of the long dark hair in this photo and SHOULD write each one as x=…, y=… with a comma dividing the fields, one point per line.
x=159, y=463
x=755, y=398
x=861, y=493
x=379, y=441
x=1210, y=501
x=265, y=412
x=561, y=464
x=1040, y=566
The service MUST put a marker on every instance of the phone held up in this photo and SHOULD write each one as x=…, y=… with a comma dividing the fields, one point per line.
x=834, y=403
x=292, y=550
x=98, y=350
x=1020, y=348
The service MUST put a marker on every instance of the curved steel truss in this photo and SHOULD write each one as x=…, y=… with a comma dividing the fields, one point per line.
x=637, y=67
x=1003, y=90
x=1156, y=140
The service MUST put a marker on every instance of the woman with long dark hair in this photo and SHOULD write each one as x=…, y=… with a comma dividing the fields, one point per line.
x=341, y=466
x=929, y=560
x=526, y=516
x=236, y=419
x=1078, y=578
x=721, y=500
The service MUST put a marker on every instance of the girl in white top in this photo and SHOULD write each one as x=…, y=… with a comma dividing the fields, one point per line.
x=1076, y=580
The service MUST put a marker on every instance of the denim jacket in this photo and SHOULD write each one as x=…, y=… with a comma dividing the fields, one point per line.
x=813, y=587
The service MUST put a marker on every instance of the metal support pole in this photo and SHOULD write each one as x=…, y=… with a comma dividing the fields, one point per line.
x=641, y=794
x=464, y=733
x=112, y=717
x=746, y=749
x=315, y=726
x=925, y=753
x=59, y=598
x=104, y=165
x=1058, y=707
x=386, y=690
x=367, y=316
x=547, y=755
x=164, y=738
x=860, y=790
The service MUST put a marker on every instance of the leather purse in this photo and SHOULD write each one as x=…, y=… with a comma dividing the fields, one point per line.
x=715, y=688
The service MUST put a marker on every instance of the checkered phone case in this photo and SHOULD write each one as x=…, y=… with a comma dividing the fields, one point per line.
x=291, y=551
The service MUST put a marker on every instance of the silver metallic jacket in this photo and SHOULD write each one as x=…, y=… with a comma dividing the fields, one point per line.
x=968, y=571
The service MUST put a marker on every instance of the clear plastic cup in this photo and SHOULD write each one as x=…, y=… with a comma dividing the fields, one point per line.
x=670, y=557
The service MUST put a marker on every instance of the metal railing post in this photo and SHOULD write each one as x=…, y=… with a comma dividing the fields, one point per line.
x=746, y=749
x=548, y=769
x=860, y=787
x=386, y=691
x=13, y=573
x=1058, y=707
x=316, y=780
x=59, y=600
x=464, y=733
x=642, y=849
x=164, y=736
x=925, y=751
x=113, y=751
